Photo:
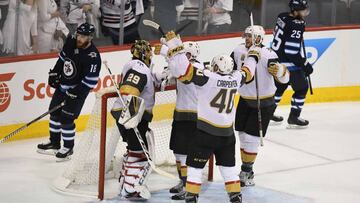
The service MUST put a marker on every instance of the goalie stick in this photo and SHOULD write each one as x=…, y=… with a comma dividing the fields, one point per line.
x=31, y=122
x=156, y=26
x=137, y=133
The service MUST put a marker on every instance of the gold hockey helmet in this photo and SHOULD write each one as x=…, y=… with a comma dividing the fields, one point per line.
x=141, y=50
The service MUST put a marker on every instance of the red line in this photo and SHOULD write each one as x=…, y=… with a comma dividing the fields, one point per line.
x=232, y=182
x=111, y=48
x=192, y=183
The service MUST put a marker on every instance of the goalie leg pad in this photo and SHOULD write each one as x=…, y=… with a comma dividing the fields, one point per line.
x=132, y=114
x=136, y=171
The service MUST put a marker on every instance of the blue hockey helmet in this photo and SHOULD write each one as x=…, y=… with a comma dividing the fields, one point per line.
x=298, y=5
x=86, y=29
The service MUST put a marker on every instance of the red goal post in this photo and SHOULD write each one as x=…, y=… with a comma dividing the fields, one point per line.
x=104, y=111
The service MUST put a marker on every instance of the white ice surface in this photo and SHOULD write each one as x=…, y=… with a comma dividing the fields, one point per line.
x=318, y=164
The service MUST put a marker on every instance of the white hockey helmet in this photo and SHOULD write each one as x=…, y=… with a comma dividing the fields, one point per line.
x=223, y=64
x=193, y=48
x=259, y=32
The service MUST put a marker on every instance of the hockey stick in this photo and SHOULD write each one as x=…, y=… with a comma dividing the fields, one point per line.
x=31, y=122
x=137, y=133
x=309, y=79
x=156, y=26
x=261, y=132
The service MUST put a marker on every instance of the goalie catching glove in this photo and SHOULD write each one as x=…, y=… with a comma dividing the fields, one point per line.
x=132, y=114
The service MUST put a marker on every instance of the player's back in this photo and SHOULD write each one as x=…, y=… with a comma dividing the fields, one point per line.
x=137, y=76
x=186, y=100
x=216, y=101
x=288, y=37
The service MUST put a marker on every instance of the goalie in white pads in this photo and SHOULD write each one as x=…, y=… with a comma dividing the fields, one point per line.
x=246, y=121
x=215, y=114
x=137, y=90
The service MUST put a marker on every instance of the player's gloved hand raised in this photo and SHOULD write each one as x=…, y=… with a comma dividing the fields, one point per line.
x=308, y=69
x=161, y=49
x=173, y=42
x=255, y=53
x=54, y=79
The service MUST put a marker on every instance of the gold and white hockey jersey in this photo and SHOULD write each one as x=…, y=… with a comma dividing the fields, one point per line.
x=266, y=82
x=137, y=80
x=186, y=99
x=215, y=92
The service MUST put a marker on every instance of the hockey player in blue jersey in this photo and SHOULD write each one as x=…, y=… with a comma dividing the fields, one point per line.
x=288, y=45
x=75, y=73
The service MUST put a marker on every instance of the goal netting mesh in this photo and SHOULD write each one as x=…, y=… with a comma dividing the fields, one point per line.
x=81, y=174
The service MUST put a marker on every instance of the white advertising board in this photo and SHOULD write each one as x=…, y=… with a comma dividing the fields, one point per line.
x=24, y=93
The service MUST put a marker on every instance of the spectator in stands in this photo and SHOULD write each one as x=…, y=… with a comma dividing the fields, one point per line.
x=218, y=17
x=4, y=6
x=26, y=31
x=51, y=28
x=76, y=12
x=111, y=19
x=189, y=14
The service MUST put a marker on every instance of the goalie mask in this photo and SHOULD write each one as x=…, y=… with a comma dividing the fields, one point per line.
x=141, y=50
x=193, y=49
x=259, y=34
x=222, y=64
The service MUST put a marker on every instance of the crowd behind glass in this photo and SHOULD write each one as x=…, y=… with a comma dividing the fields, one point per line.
x=41, y=26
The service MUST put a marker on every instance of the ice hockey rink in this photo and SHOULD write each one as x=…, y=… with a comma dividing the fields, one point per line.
x=318, y=164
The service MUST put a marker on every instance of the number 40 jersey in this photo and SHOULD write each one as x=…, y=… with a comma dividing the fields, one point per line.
x=288, y=41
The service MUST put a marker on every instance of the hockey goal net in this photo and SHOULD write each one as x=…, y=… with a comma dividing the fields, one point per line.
x=94, y=168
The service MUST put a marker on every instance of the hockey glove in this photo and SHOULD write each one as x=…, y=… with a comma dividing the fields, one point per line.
x=161, y=49
x=308, y=69
x=277, y=70
x=132, y=114
x=54, y=79
x=255, y=53
x=173, y=42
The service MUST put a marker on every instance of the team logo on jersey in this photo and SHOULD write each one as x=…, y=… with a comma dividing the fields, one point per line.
x=92, y=54
x=315, y=48
x=69, y=68
x=242, y=58
x=5, y=95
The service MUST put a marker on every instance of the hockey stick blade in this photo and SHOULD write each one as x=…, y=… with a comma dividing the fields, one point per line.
x=154, y=25
x=31, y=122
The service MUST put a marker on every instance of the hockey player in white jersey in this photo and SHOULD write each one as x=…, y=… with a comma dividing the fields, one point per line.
x=215, y=114
x=246, y=120
x=137, y=88
x=184, y=120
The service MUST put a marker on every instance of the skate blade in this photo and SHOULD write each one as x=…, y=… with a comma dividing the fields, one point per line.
x=275, y=123
x=180, y=196
x=63, y=159
x=292, y=126
x=46, y=152
x=133, y=199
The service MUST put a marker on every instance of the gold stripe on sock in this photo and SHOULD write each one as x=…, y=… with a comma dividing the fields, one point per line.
x=233, y=186
x=193, y=187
